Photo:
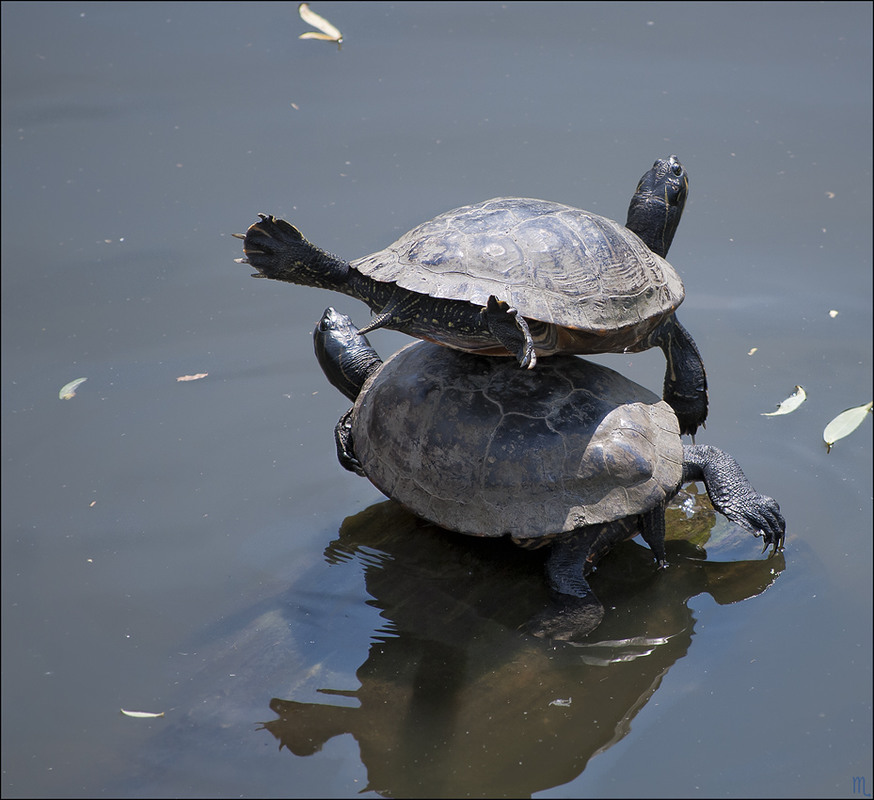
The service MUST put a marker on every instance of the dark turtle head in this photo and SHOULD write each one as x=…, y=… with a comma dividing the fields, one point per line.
x=345, y=355
x=657, y=205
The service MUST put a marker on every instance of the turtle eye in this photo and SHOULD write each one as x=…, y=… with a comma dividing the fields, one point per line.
x=677, y=168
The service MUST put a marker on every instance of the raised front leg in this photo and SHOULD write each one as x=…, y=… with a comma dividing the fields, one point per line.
x=509, y=327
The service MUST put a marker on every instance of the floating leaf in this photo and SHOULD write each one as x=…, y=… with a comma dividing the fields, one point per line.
x=192, y=377
x=142, y=714
x=833, y=313
x=329, y=33
x=844, y=424
x=752, y=351
x=789, y=404
x=68, y=391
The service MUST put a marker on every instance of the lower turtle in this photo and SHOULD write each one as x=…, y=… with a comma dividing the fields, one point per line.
x=575, y=457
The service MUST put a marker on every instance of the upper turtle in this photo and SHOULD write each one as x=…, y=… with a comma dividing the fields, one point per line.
x=522, y=277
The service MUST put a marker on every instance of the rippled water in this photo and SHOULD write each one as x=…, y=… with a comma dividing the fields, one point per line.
x=193, y=547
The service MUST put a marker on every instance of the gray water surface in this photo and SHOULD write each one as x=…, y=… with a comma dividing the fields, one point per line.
x=193, y=547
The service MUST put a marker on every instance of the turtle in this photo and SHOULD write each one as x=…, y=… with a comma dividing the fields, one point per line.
x=520, y=277
x=576, y=457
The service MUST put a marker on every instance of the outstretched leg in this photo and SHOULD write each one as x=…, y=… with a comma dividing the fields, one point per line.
x=279, y=251
x=732, y=494
x=509, y=327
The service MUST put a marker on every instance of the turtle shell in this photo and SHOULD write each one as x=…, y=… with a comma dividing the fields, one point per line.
x=476, y=445
x=554, y=263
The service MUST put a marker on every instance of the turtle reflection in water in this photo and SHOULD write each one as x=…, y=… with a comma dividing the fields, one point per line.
x=451, y=701
x=573, y=456
x=519, y=277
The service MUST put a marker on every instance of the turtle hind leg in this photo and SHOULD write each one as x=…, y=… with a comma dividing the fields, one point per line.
x=574, y=610
x=279, y=251
x=509, y=327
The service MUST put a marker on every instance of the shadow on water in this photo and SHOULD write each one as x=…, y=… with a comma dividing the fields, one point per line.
x=455, y=701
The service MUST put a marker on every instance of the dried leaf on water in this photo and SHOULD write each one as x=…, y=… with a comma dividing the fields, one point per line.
x=789, y=404
x=329, y=33
x=142, y=714
x=844, y=424
x=68, y=390
x=192, y=377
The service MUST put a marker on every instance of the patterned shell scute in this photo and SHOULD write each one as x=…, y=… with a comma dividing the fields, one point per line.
x=553, y=262
x=476, y=445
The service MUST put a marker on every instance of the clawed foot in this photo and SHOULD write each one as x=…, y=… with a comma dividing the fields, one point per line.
x=759, y=514
x=343, y=440
x=267, y=244
x=511, y=330
x=762, y=517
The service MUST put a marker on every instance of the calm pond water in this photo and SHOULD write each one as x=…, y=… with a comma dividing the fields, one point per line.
x=193, y=547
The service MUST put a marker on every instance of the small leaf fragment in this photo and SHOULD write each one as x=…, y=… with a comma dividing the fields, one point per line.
x=752, y=351
x=142, y=714
x=329, y=32
x=68, y=390
x=844, y=424
x=192, y=377
x=789, y=404
x=833, y=313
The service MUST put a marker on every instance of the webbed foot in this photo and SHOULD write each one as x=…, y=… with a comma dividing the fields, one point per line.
x=268, y=243
x=761, y=515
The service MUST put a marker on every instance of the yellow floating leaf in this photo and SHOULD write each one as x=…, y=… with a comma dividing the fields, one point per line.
x=789, y=404
x=142, y=714
x=752, y=351
x=329, y=32
x=68, y=390
x=844, y=424
x=192, y=377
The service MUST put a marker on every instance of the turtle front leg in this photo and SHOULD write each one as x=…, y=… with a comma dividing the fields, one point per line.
x=685, y=388
x=575, y=611
x=509, y=327
x=732, y=494
x=343, y=440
